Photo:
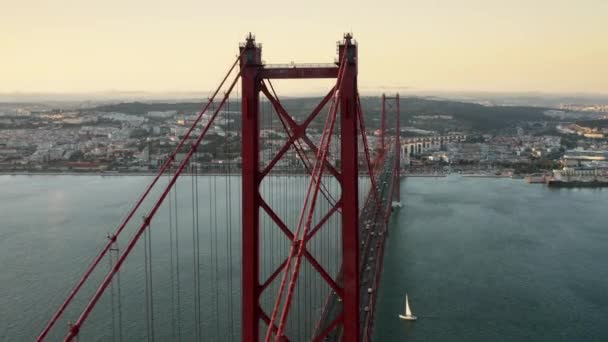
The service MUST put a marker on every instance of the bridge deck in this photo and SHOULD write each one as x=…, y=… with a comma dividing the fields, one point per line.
x=372, y=234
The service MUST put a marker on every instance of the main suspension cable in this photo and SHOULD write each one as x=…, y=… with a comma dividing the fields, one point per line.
x=76, y=326
x=298, y=244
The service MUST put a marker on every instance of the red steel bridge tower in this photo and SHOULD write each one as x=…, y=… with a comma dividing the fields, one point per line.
x=308, y=269
x=391, y=104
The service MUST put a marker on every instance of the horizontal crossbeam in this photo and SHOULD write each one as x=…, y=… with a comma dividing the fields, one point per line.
x=296, y=72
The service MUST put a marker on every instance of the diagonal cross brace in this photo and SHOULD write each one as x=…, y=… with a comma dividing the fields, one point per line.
x=330, y=281
x=299, y=131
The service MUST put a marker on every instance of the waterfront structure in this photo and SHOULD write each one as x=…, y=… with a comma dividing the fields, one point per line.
x=579, y=177
x=414, y=146
x=585, y=158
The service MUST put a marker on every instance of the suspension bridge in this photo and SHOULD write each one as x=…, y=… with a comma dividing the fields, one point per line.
x=284, y=244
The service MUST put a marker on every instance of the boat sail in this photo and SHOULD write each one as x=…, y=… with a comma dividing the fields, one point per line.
x=408, y=312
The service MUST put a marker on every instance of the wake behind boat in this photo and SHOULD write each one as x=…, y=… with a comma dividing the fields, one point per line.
x=408, y=313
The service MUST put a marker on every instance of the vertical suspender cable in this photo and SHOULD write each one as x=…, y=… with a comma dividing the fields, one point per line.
x=270, y=188
x=230, y=190
x=198, y=249
x=74, y=329
x=171, y=269
x=177, y=264
x=239, y=206
x=119, y=297
x=112, y=301
x=147, y=287
x=151, y=280
x=228, y=218
x=217, y=293
x=194, y=266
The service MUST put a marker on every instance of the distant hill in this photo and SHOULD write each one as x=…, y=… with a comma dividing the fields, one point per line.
x=472, y=115
x=141, y=108
x=478, y=116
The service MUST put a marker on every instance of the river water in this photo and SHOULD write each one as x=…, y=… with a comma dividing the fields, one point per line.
x=496, y=260
x=481, y=259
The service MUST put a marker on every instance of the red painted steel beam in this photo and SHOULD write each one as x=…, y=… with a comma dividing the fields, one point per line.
x=382, y=121
x=298, y=73
x=273, y=275
x=350, y=192
x=250, y=177
x=328, y=279
x=368, y=324
x=367, y=156
x=266, y=320
x=300, y=129
x=328, y=215
x=329, y=328
x=276, y=219
x=372, y=171
x=298, y=246
x=75, y=328
x=305, y=217
x=398, y=149
x=130, y=214
x=380, y=254
x=307, y=163
x=297, y=131
x=376, y=285
x=324, y=274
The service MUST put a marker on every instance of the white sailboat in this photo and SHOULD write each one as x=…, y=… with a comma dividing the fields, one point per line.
x=408, y=313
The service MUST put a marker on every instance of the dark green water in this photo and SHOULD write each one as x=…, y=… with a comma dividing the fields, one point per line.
x=52, y=226
x=496, y=260
x=482, y=259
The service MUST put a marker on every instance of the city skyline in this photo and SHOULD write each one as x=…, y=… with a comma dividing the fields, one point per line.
x=65, y=47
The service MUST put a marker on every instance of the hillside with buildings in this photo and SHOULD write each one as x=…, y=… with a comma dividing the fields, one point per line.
x=137, y=136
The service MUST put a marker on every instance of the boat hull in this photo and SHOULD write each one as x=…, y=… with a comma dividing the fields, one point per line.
x=577, y=184
x=408, y=318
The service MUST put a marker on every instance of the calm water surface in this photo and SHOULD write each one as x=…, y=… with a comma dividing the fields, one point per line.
x=52, y=226
x=481, y=259
x=496, y=260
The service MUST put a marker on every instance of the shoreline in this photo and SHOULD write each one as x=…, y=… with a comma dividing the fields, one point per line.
x=422, y=175
x=142, y=174
x=151, y=174
x=110, y=174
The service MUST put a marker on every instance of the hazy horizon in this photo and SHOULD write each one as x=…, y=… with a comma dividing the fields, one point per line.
x=509, y=98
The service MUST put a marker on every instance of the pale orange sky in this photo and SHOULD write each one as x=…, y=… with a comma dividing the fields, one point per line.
x=185, y=45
